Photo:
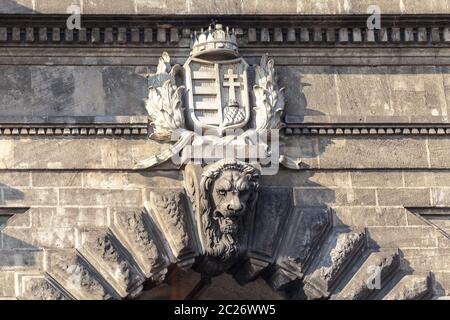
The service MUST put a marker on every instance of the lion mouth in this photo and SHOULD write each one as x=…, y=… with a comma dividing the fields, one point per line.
x=228, y=223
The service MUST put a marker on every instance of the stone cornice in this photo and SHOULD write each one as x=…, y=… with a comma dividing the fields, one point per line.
x=108, y=126
x=367, y=125
x=295, y=31
x=137, y=126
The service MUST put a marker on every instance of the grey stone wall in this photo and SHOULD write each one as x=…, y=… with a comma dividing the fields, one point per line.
x=225, y=7
x=366, y=114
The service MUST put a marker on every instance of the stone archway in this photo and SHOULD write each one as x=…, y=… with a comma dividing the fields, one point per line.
x=299, y=253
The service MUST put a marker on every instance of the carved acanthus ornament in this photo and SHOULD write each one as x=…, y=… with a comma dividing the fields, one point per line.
x=269, y=98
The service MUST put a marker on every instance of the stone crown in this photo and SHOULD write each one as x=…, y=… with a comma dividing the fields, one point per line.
x=215, y=43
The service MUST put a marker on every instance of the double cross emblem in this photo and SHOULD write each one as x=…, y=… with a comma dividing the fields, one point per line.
x=229, y=81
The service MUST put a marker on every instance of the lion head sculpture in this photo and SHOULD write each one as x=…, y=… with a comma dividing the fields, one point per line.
x=228, y=192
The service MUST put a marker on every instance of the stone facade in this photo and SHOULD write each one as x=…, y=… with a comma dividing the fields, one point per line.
x=365, y=117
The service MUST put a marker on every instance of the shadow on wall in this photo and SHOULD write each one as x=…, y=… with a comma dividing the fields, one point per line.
x=8, y=6
x=14, y=218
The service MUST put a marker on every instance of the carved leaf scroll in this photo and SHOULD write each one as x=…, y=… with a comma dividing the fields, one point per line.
x=269, y=97
x=163, y=103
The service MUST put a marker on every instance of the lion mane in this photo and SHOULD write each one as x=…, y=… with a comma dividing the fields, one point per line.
x=219, y=245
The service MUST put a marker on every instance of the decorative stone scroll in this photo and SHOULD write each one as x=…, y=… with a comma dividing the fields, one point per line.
x=38, y=287
x=168, y=209
x=139, y=237
x=105, y=251
x=78, y=276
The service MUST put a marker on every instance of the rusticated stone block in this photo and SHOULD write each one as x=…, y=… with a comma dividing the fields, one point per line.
x=361, y=217
x=309, y=178
x=118, y=180
x=403, y=237
x=65, y=217
x=56, y=179
x=440, y=197
x=29, y=197
x=15, y=260
x=14, y=179
x=321, y=197
x=74, y=196
x=407, y=197
x=34, y=238
x=7, y=288
x=372, y=153
x=383, y=179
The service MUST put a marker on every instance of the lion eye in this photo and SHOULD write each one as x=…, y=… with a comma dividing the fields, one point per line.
x=222, y=192
x=244, y=191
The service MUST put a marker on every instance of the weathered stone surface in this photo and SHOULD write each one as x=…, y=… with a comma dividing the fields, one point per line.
x=75, y=153
x=370, y=216
x=411, y=287
x=37, y=287
x=168, y=210
x=270, y=217
x=27, y=260
x=307, y=228
x=66, y=217
x=371, y=276
x=38, y=237
x=72, y=91
x=78, y=277
x=384, y=179
x=7, y=289
x=366, y=117
x=73, y=196
x=23, y=197
x=105, y=253
x=408, y=197
x=403, y=237
x=334, y=257
x=226, y=7
x=321, y=197
x=112, y=180
x=50, y=179
x=140, y=239
x=313, y=90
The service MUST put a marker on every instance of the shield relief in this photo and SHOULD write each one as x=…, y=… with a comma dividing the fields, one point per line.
x=218, y=96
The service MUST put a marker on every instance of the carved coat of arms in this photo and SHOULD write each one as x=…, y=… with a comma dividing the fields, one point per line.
x=218, y=93
x=215, y=106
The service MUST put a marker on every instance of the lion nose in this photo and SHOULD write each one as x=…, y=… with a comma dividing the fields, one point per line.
x=235, y=205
